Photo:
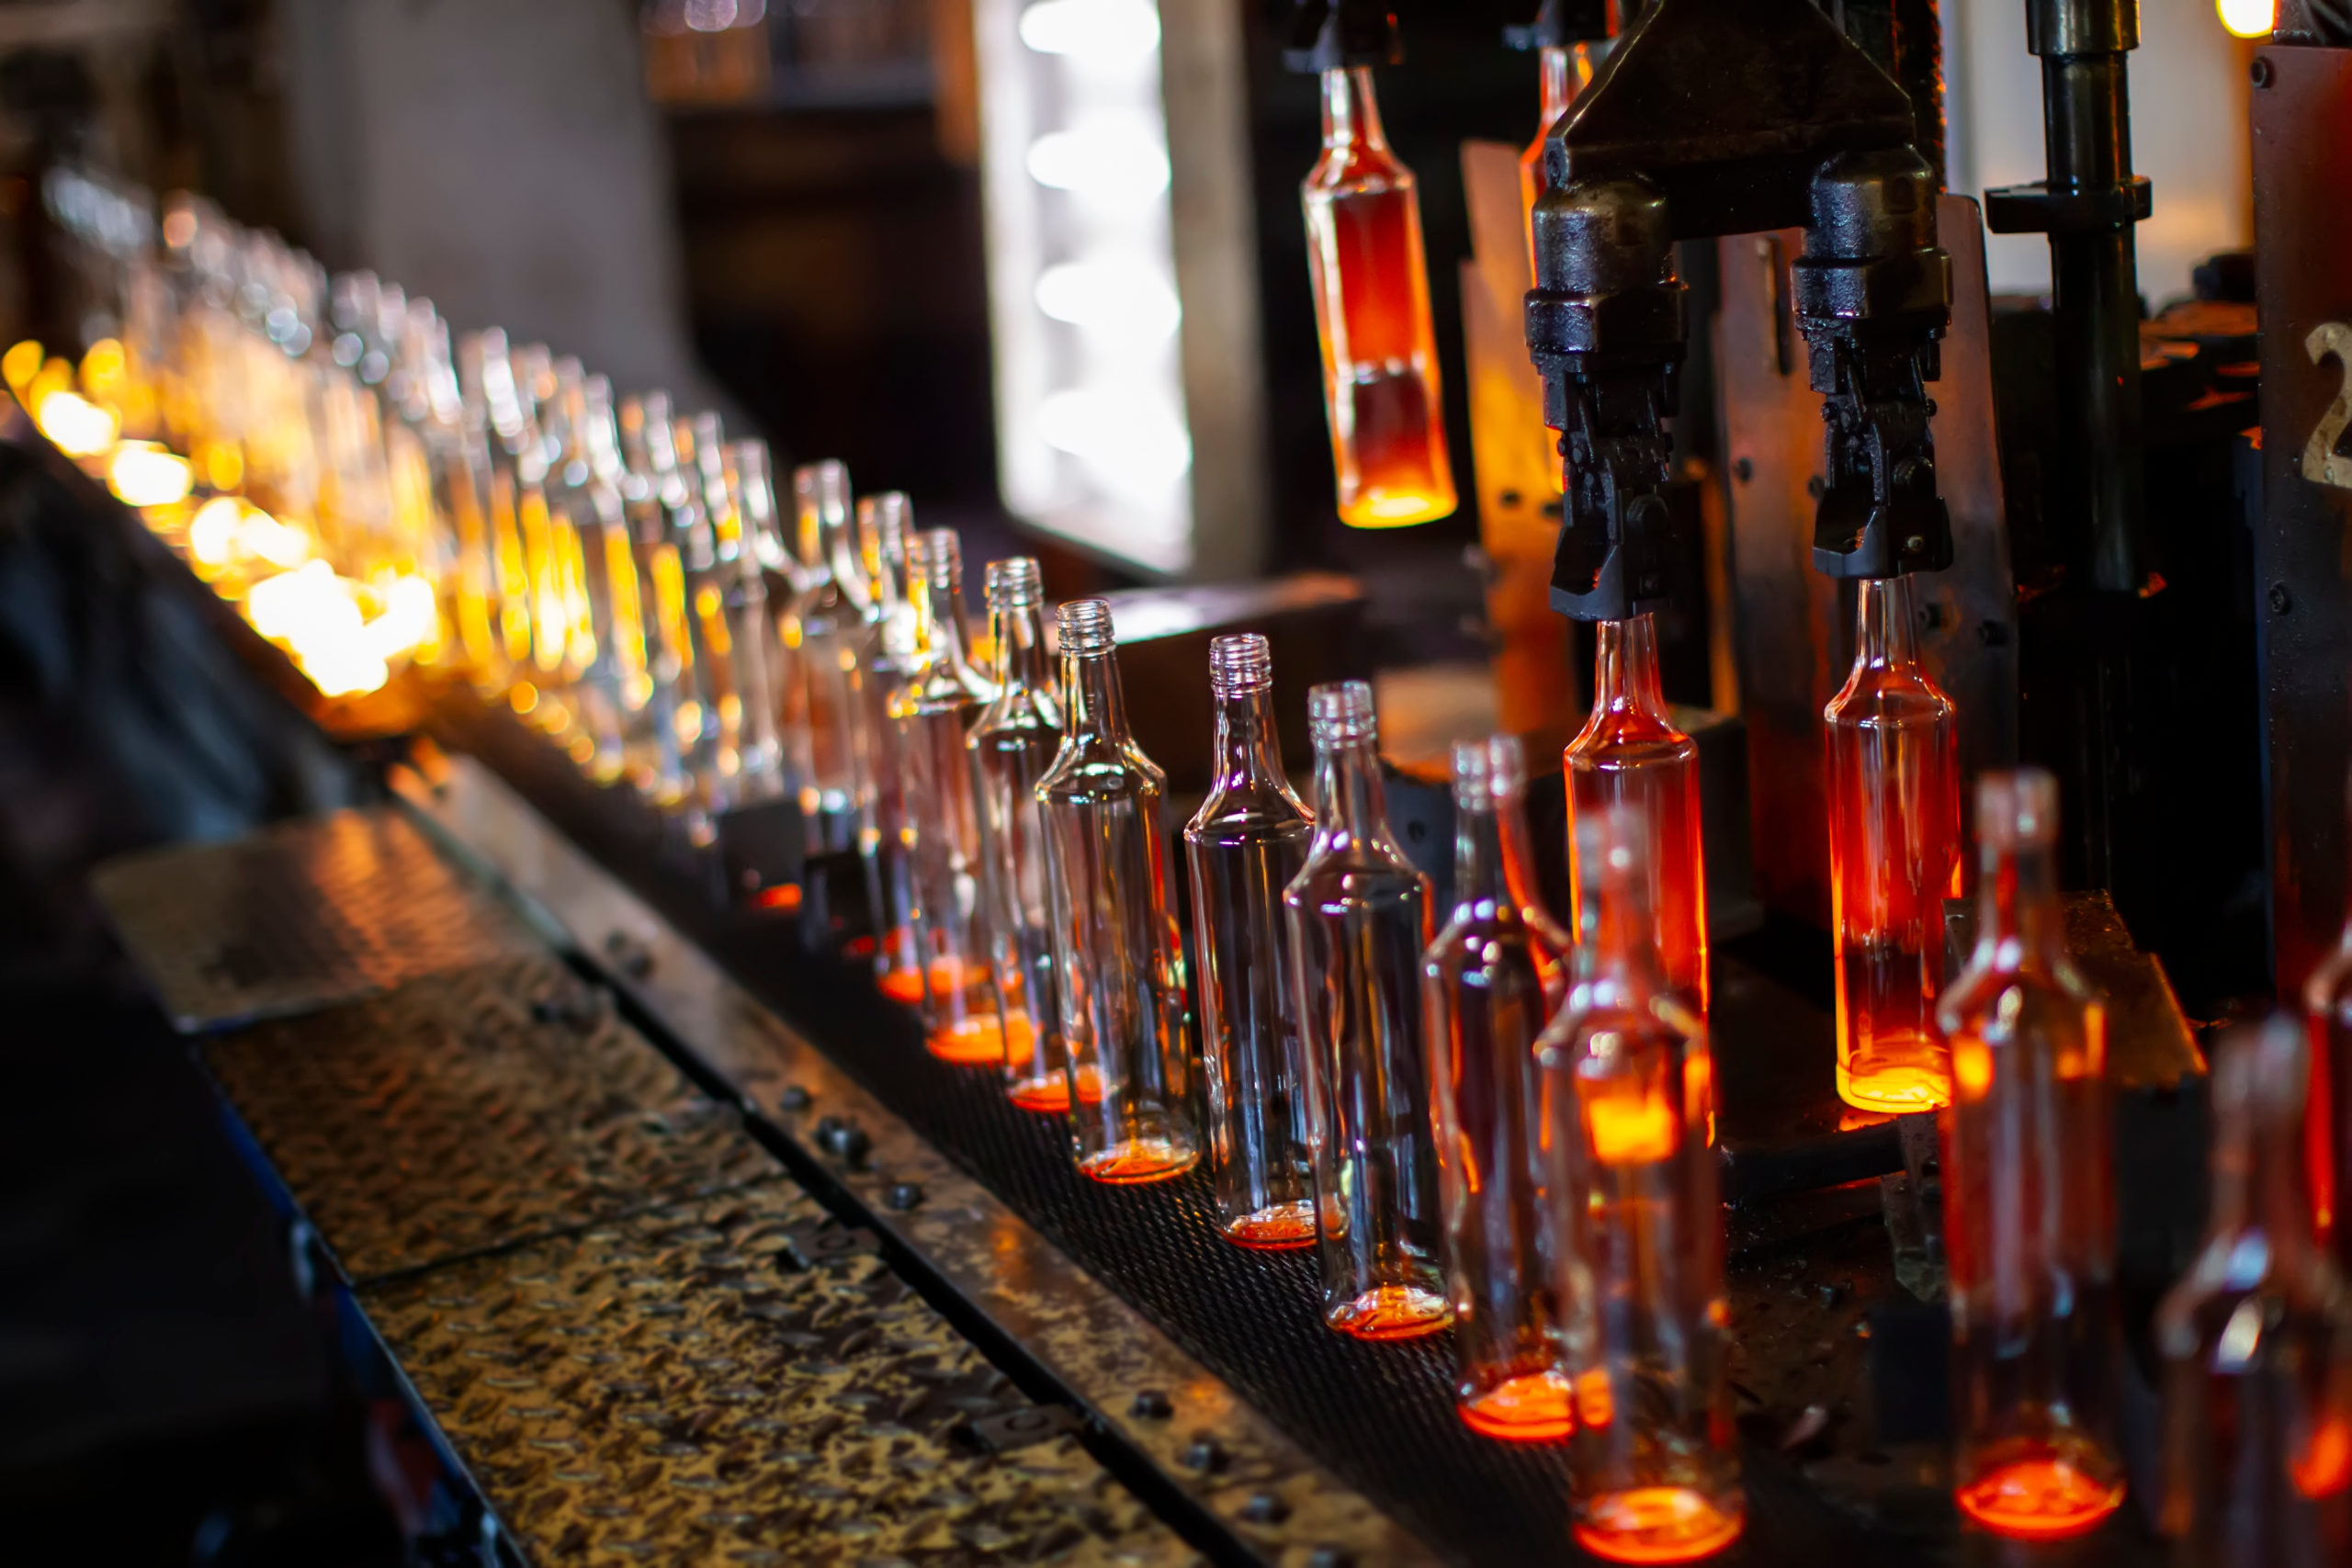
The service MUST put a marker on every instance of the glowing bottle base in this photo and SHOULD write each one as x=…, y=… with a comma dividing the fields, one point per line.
x=1392, y=1312
x=1889, y=1057
x=1139, y=1160
x=1276, y=1228
x=1656, y=1524
x=1534, y=1407
x=2039, y=1496
x=977, y=1041
x=1897, y=1076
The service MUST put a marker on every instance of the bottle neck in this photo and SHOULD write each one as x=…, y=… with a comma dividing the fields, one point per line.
x=1019, y=635
x=1351, y=800
x=1482, y=883
x=2261, y=1189
x=1625, y=677
x=1887, y=631
x=1097, y=706
x=1558, y=71
x=2018, y=921
x=943, y=613
x=1617, y=949
x=1350, y=112
x=1248, y=749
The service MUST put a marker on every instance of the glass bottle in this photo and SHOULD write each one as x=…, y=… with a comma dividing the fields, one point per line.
x=1372, y=304
x=2029, y=1202
x=1013, y=743
x=747, y=506
x=934, y=712
x=2256, y=1339
x=886, y=654
x=587, y=492
x=1359, y=918
x=1492, y=979
x=1628, y=1086
x=821, y=630
x=1243, y=847
x=1893, y=858
x=2328, y=1121
x=707, y=696
x=1119, y=959
x=1564, y=70
x=649, y=616
x=1630, y=753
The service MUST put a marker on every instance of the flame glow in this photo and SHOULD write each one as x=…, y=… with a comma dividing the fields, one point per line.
x=141, y=473
x=2247, y=19
x=75, y=425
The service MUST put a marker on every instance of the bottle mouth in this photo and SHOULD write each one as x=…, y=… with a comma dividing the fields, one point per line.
x=1240, y=664
x=1015, y=584
x=2016, y=810
x=1084, y=627
x=882, y=522
x=1488, y=771
x=821, y=490
x=942, y=557
x=1341, y=713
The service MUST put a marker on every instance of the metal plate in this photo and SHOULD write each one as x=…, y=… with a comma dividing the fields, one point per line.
x=472, y=1111
x=673, y=1388
x=297, y=917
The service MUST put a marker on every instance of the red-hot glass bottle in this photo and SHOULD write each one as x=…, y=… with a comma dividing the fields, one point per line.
x=1371, y=303
x=1630, y=754
x=2029, y=1195
x=1628, y=1103
x=1491, y=980
x=1893, y=859
x=2327, y=1119
x=1566, y=70
x=2256, y=1340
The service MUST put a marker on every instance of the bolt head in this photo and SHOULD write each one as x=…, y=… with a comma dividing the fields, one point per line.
x=2260, y=71
x=2281, y=599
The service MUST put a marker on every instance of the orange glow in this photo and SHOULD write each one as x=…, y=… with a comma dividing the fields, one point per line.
x=902, y=986
x=1972, y=1067
x=1537, y=1407
x=2324, y=1467
x=1392, y=1312
x=783, y=896
x=974, y=1042
x=1595, y=1405
x=1138, y=1160
x=2039, y=1498
x=1050, y=1091
x=1629, y=1123
x=1656, y=1524
x=1278, y=1229
x=2247, y=19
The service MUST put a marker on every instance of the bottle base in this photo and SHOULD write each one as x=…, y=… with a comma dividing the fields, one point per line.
x=1392, y=1312
x=1895, y=1090
x=2039, y=1496
x=1045, y=1093
x=1655, y=1524
x=1139, y=1160
x=901, y=986
x=971, y=1042
x=1276, y=1228
x=1534, y=1407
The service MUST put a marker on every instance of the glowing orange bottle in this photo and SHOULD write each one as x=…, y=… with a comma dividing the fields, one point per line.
x=2029, y=1196
x=1372, y=304
x=2256, y=1339
x=1628, y=1100
x=1566, y=71
x=1893, y=859
x=1630, y=754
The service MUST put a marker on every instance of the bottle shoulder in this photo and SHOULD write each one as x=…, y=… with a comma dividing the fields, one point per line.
x=1091, y=768
x=1360, y=872
x=1250, y=807
x=1889, y=697
x=1018, y=717
x=1626, y=737
x=2000, y=994
x=1355, y=170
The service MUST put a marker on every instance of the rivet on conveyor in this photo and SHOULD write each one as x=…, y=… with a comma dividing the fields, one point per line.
x=1151, y=1405
x=1330, y=1557
x=901, y=1196
x=634, y=958
x=794, y=1098
x=1265, y=1508
x=1206, y=1455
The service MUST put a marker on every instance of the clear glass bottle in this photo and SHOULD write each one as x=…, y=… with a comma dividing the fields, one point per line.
x=1243, y=847
x=1628, y=1106
x=587, y=492
x=748, y=506
x=1564, y=70
x=1359, y=918
x=886, y=656
x=2327, y=1126
x=1372, y=304
x=934, y=711
x=1492, y=980
x=706, y=696
x=2255, y=1339
x=821, y=630
x=1894, y=785
x=1629, y=753
x=1013, y=742
x=1119, y=959
x=649, y=616
x=2029, y=1195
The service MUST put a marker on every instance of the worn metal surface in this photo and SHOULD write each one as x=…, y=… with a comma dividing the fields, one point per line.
x=1794, y=626
x=677, y=1387
x=1262, y=1488
x=298, y=916
x=2302, y=539
x=475, y=1110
